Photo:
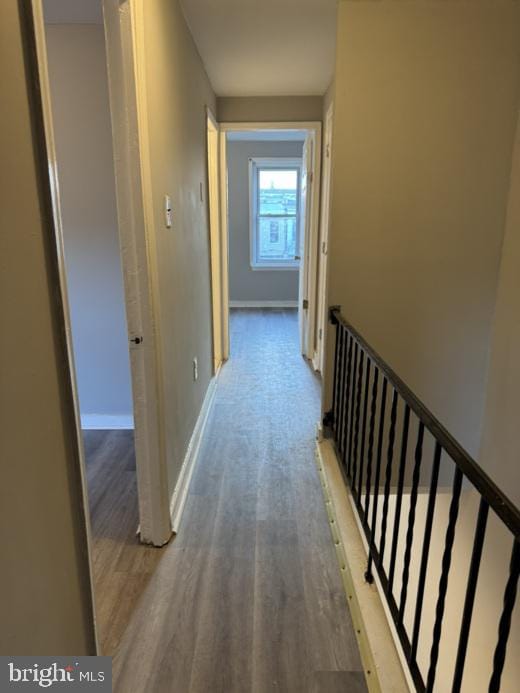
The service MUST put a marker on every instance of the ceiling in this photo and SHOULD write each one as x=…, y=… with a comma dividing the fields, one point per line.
x=265, y=47
x=73, y=11
x=249, y=47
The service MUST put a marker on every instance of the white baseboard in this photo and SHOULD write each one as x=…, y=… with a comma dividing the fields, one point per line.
x=94, y=422
x=263, y=304
x=316, y=362
x=180, y=492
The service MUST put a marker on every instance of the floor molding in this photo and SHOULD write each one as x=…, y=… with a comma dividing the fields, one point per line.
x=263, y=304
x=107, y=422
x=384, y=671
x=180, y=492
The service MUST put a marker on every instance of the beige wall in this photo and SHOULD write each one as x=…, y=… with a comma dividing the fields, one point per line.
x=44, y=589
x=178, y=91
x=81, y=115
x=500, y=451
x=422, y=148
x=247, y=109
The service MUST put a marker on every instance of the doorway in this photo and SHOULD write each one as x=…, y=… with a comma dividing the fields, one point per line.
x=269, y=199
x=98, y=251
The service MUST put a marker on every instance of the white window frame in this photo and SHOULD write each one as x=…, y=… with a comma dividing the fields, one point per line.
x=275, y=163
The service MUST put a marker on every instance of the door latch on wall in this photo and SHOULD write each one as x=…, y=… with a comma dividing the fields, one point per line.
x=137, y=340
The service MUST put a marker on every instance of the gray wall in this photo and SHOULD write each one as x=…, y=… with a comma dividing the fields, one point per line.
x=79, y=90
x=178, y=92
x=45, y=600
x=246, y=284
x=236, y=109
x=423, y=135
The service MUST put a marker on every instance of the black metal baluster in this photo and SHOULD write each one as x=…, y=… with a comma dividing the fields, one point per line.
x=356, y=424
x=335, y=382
x=344, y=427
x=411, y=520
x=505, y=619
x=352, y=407
x=476, y=555
x=426, y=548
x=349, y=418
x=388, y=474
x=443, y=583
x=341, y=389
x=368, y=575
x=364, y=429
x=373, y=407
x=399, y=498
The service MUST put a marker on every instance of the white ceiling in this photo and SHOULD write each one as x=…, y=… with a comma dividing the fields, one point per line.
x=249, y=47
x=265, y=47
x=73, y=11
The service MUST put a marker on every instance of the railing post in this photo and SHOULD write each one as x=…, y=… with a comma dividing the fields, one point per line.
x=329, y=416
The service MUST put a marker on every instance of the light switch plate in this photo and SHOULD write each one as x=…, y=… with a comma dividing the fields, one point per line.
x=168, y=212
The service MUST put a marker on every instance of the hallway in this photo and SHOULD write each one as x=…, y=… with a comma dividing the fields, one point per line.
x=248, y=596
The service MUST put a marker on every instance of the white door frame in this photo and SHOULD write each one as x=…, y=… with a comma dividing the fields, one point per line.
x=310, y=258
x=123, y=33
x=326, y=197
x=50, y=146
x=216, y=252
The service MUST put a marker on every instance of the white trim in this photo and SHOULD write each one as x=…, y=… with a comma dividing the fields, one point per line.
x=326, y=198
x=107, y=422
x=224, y=242
x=213, y=147
x=310, y=260
x=124, y=32
x=48, y=124
x=257, y=163
x=311, y=242
x=180, y=493
x=263, y=304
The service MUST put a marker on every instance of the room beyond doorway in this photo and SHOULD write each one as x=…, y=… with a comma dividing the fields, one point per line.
x=265, y=219
x=269, y=216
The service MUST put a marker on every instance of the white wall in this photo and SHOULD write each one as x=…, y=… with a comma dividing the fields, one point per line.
x=246, y=284
x=77, y=72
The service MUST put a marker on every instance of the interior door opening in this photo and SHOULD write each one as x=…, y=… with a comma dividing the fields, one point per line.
x=269, y=195
x=104, y=335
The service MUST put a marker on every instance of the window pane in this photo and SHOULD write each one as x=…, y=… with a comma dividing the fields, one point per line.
x=277, y=191
x=276, y=239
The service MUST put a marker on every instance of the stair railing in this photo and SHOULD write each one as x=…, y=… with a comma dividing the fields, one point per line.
x=371, y=421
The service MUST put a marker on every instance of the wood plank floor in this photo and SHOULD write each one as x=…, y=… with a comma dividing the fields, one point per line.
x=248, y=596
x=122, y=567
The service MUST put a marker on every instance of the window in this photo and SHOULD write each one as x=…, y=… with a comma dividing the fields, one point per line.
x=275, y=213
